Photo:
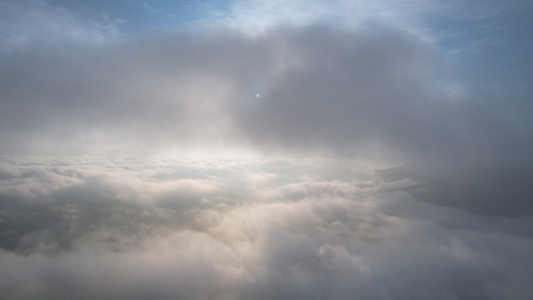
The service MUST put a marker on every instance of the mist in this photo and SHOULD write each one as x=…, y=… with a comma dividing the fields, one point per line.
x=254, y=150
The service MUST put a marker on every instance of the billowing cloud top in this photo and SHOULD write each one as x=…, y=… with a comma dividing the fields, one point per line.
x=91, y=228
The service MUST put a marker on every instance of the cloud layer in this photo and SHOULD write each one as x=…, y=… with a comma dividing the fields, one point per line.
x=243, y=229
x=353, y=89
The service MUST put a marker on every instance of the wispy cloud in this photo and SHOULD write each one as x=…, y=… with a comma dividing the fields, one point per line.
x=24, y=22
x=431, y=20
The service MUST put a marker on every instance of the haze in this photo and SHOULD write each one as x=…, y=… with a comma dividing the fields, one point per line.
x=266, y=149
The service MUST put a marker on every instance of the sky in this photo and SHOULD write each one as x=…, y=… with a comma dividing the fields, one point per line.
x=266, y=149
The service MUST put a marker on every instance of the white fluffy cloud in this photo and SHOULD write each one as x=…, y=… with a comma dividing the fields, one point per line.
x=243, y=229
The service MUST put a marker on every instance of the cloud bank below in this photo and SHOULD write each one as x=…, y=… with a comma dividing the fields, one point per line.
x=242, y=229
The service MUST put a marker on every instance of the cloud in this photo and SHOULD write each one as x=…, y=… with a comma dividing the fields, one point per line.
x=351, y=98
x=372, y=92
x=434, y=21
x=24, y=22
x=341, y=236
x=497, y=190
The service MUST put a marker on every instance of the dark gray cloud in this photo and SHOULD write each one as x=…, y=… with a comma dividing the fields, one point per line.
x=501, y=189
x=93, y=228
